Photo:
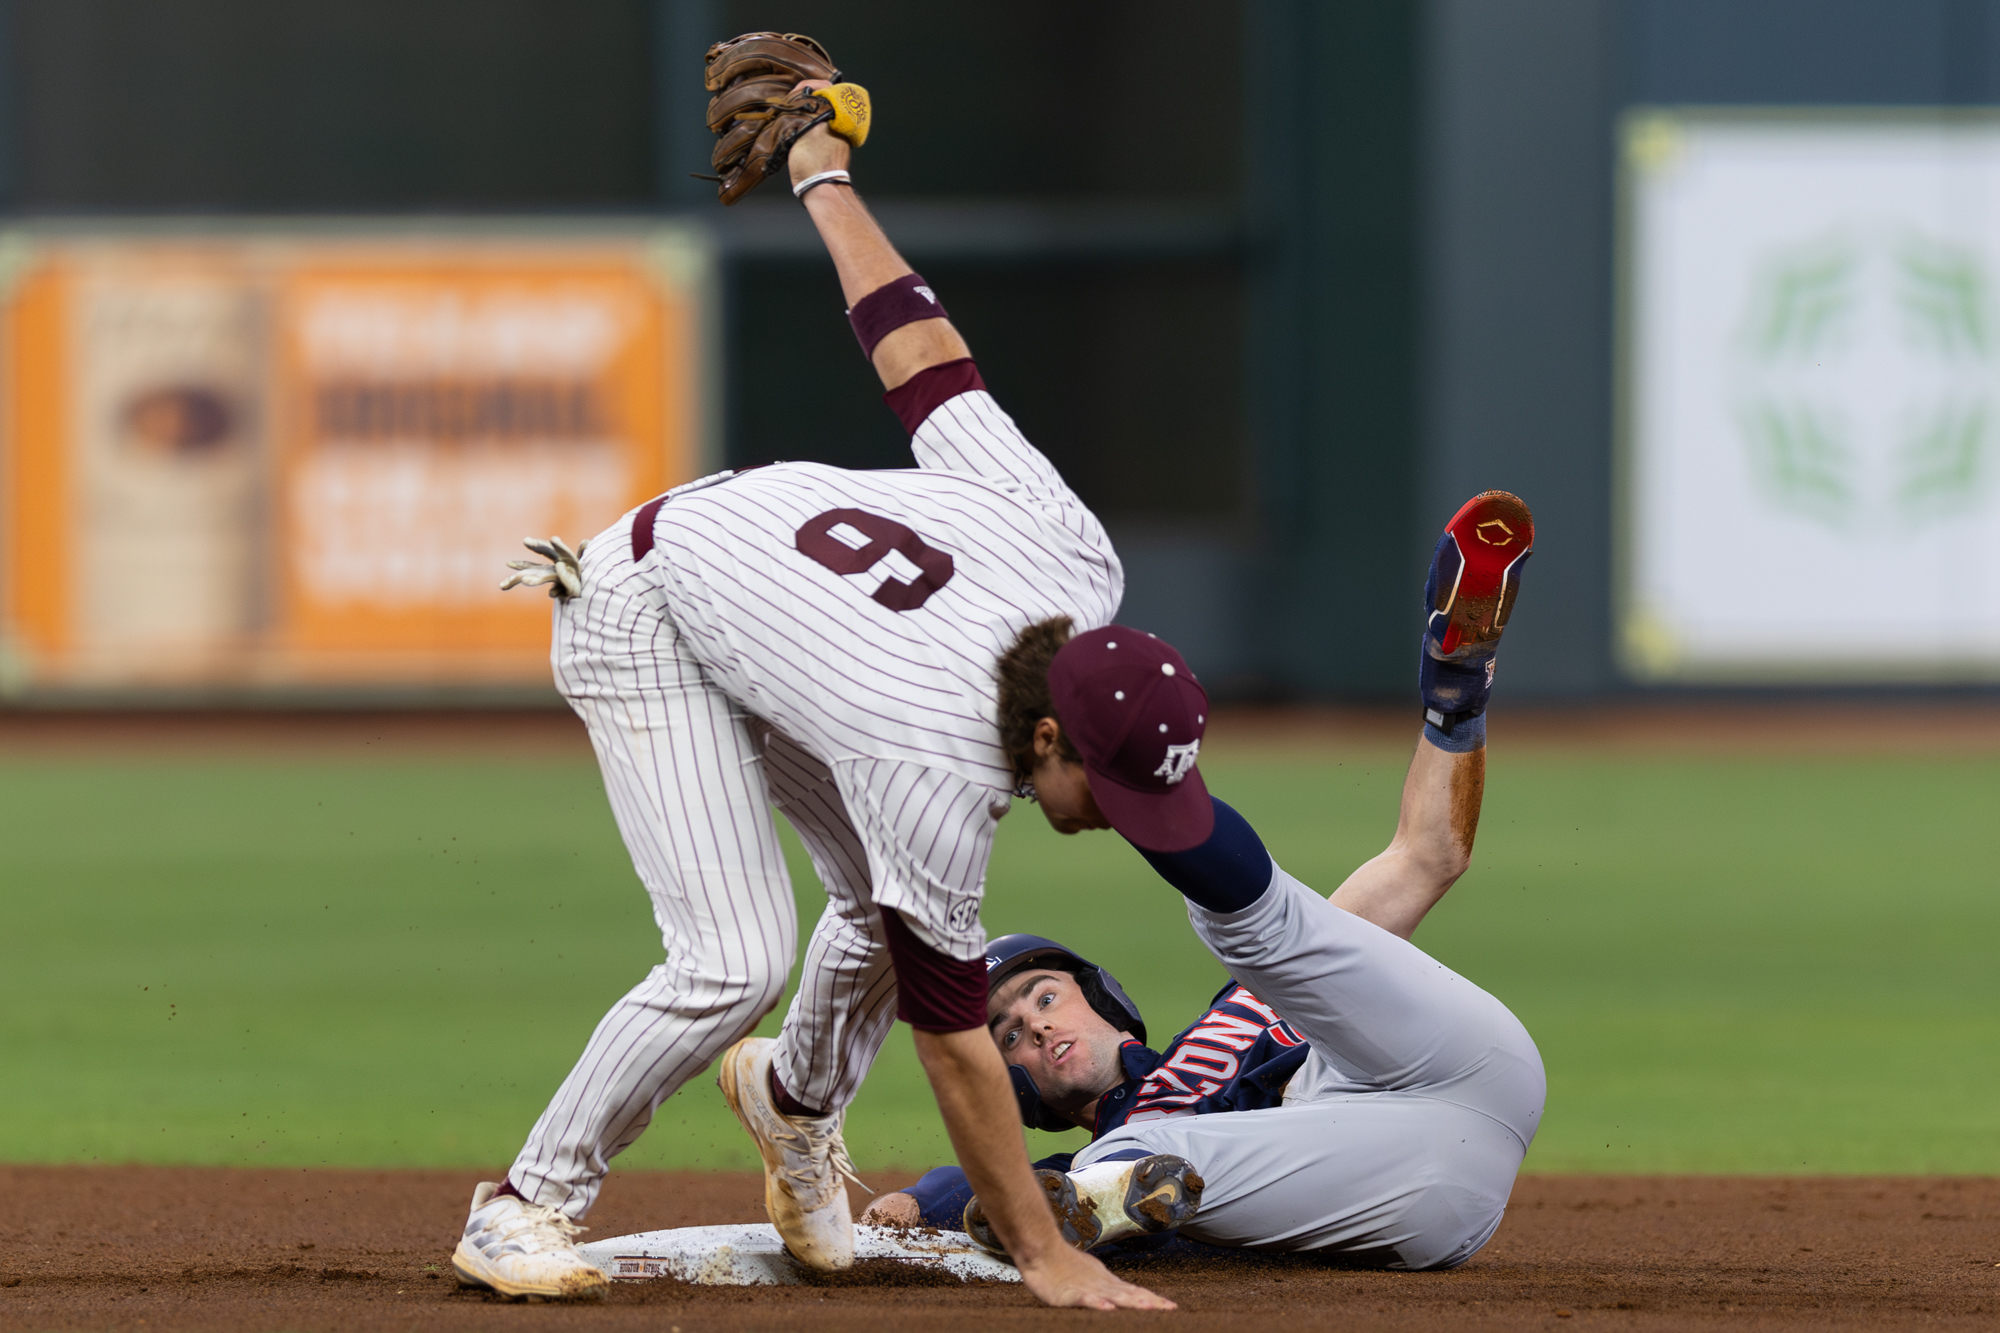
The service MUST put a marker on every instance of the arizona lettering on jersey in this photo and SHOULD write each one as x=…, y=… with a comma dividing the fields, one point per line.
x=1237, y=1057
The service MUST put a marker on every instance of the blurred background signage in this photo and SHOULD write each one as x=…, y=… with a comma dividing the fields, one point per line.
x=1814, y=394
x=1738, y=366
x=296, y=461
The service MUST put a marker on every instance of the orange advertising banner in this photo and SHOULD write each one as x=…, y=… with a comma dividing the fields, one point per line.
x=300, y=462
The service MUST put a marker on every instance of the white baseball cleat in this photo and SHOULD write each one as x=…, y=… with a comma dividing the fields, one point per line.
x=1109, y=1201
x=519, y=1248
x=804, y=1161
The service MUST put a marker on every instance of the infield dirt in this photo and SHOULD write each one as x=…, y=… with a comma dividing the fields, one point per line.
x=160, y=1248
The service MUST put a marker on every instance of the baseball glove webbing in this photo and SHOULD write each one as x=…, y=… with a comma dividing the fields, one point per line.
x=755, y=118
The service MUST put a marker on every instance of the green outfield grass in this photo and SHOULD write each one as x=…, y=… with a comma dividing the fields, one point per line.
x=1730, y=964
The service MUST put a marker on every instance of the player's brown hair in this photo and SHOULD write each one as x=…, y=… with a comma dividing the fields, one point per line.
x=1023, y=673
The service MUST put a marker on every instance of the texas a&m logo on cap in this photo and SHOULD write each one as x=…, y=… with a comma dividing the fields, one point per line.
x=1180, y=758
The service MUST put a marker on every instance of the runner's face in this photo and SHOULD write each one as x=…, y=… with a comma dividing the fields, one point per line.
x=1042, y=1022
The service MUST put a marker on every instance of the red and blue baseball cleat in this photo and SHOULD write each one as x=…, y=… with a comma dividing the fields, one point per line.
x=1475, y=580
x=1475, y=576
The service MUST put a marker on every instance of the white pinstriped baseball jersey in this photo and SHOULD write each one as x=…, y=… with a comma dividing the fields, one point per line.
x=862, y=614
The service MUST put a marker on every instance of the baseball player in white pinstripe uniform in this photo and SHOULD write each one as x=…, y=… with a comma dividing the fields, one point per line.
x=825, y=642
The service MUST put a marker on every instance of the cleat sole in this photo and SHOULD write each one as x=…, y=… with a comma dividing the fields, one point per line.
x=1164, y=1193
x=1492, y=536
x=1159, y=1193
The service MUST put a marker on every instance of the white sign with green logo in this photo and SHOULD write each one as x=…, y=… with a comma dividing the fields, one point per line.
x=1811, y=397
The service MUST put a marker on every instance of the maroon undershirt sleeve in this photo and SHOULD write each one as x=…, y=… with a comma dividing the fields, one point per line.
x=934, y=991
x=924, y=392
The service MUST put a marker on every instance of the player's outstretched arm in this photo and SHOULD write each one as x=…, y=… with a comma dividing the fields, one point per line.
x=1475, y=577
x=864, y=258
x=977, y=1102
x=1433, y=843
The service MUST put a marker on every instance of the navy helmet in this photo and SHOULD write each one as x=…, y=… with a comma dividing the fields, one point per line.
x=1012, y=954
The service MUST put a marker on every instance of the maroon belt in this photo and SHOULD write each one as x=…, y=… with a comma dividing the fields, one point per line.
x=642, y=527
x=649, y=512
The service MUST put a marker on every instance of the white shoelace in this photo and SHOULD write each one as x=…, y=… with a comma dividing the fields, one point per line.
x=825, y=1152
x=547, y=1226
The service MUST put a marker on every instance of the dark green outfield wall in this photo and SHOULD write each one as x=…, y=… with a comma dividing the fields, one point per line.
x=1332, y=126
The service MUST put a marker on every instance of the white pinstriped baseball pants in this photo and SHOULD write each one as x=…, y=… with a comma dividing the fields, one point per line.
x=692, y=780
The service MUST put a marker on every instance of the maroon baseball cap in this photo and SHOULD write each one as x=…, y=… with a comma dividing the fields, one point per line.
x=1136, y=714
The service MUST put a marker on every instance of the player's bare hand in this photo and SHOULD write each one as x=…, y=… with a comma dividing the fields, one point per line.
x=893, y=1210
x=818, y=149
x=1071, y=1278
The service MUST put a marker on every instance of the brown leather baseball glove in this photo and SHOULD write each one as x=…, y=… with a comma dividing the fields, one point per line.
x=753, y=115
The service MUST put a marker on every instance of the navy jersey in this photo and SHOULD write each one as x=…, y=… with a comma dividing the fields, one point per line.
x=1238, y=1056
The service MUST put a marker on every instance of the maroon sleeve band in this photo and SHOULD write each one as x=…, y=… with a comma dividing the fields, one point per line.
x=929, y=389
x=934, y=991
x=891, y=306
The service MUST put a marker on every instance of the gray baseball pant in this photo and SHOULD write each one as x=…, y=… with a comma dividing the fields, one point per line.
x=1399, y=1138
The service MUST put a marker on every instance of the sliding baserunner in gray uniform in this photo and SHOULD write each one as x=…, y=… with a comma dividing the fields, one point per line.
x=1345, y=1092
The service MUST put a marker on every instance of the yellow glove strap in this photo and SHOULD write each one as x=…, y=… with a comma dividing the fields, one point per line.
x=850, y=111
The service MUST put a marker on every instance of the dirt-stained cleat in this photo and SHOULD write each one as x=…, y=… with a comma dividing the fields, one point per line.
x=524, y=1250
x=1108, y=1201
x=804, y=1161
x=1475, y=575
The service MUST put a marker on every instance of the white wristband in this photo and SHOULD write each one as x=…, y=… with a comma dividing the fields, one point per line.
x=799, y=190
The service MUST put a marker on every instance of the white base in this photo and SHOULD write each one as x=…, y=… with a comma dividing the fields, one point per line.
x=752, y=1255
